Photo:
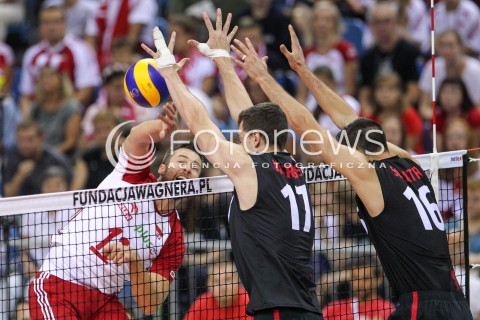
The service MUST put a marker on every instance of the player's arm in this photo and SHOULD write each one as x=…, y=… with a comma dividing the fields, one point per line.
x=141, y=137
x=149, y=289
x=218, y=48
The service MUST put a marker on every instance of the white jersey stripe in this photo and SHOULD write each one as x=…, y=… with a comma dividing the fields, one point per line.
x=36, y=287
x=42, y=290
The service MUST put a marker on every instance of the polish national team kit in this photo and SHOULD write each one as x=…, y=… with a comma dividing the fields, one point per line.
x=76, y=253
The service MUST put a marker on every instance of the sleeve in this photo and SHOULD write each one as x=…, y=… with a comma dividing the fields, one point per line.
x=168, y=261
x=26, y=79
x=329, y=312
x=425, y=81
x=87, y=72
x=348, y=51
x=8, y=54
x=412, y=121
x=474, y=118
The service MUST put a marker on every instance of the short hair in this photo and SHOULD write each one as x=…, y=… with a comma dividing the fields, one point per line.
x=52, y=7
x=371, y=137
x=324, y=71
x=27, y=124
x=267, y=117
x=455, y=34
x=328, y=5
x=365, y=261
x=393, y=7
x=188, y=145
x=55, y=171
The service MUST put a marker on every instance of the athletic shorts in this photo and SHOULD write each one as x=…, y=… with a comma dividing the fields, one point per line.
x=432, y=306
x=53, y=298
x=287, y=314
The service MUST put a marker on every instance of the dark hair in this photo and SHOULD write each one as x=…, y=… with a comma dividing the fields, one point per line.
x=267, y=117
x=371, y=137
x=368, y=261
x=188, y=145
x=466, y=103
x=248, y=22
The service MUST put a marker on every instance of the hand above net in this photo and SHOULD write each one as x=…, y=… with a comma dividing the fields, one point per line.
x=164, y=57
x=218, y=44
x=255, y=66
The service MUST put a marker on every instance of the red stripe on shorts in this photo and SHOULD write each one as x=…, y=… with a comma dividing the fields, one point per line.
x=414, y=305
x=276, y=314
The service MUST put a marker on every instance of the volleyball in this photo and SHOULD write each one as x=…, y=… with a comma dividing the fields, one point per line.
x=144, y=85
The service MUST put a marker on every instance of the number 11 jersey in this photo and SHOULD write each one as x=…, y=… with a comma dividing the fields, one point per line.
x=272, y=241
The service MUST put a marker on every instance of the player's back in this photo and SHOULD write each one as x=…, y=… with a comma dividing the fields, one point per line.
x=272, y=241
x=409, y=234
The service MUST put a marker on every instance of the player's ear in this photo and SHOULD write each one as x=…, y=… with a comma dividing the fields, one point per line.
x=161, y=169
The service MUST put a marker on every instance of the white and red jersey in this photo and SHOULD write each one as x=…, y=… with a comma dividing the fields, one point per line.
x=197, y=69
x=72, y=55
x=77, y=255
x=336, y=58
x=112, y=20
x=465, y=19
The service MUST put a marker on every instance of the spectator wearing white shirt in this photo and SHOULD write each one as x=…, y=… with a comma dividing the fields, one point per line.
x=463, y=16
x=77, y=56
x=451, y=63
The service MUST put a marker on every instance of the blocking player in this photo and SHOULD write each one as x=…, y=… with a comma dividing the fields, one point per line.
x=270, y=218
x=395, y=199
x=102, y=247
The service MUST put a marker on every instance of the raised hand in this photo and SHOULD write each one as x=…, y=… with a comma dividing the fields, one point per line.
x=295, y=57
x=255, y=66
x=164, y=57
x=169, y=118
x=218, y=38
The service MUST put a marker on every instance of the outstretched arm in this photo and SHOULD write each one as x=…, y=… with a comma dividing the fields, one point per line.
x=219, y=42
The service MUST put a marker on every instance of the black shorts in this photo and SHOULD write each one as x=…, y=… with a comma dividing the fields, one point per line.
x=432, y=306
x=287, y=314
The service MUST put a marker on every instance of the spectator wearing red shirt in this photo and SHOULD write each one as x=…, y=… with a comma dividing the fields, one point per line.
x=388, y=97
x=454, y=101
x=225, y=299
x=365, y=303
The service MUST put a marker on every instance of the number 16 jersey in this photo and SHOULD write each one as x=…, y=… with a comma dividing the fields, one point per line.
x=272, y=241
x=408, y=234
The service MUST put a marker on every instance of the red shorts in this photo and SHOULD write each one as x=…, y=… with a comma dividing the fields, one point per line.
x=53, y=298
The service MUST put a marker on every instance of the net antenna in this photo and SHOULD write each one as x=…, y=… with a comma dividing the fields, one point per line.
x=434, y=159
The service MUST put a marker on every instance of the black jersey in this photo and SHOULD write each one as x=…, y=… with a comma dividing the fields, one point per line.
x=272, y=241
x=409, y=234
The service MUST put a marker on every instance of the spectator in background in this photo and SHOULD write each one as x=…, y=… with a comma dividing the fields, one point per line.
x=200, y=72
x=123, y=54
x=56, y=110
x=112, y=97
x=325, y=74
x=414, y=20
x=453, y=101
x=9, y=115
x=274, y=25
x=78, y=59
x=77, y=13
x=92, y=165
x=330, y=50
x=388, y=98
x=451, y=63
x=225, y=299
x=366, y=281
x=390, y=53
x=463, y=16
x=26, y=164
x=394, y=129
x=474, y=219
x=133, y=19
x=11, y=12
x=182, y=6
x=22, y=310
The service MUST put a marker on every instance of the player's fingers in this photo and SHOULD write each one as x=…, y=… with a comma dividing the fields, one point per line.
x=284, y=50
x=237, y=52
x=250, y=45
x=242, y=47
x=150, y=51
x=231, y=35
x=226, y=26
x=237, y=62
x=207, y=21
x=182, y=63
x=264, y=60
x=193, y=43
x=293, y=37
x=171, y=43
x=219, y=19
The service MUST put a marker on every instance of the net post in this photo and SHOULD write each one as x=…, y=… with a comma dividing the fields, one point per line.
x=466, y=245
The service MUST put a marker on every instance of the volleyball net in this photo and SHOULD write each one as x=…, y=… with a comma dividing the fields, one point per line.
x=69, y=234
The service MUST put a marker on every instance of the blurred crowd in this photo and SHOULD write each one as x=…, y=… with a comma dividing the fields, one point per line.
x=62, y=64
